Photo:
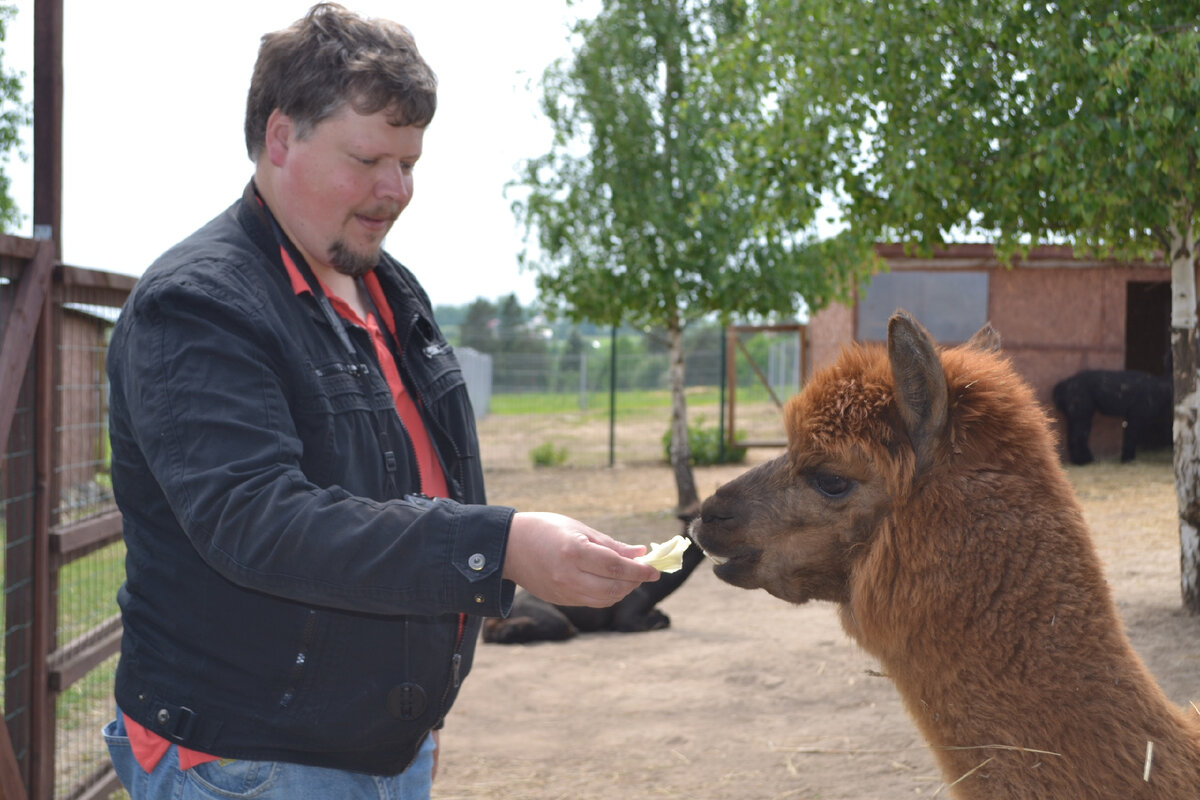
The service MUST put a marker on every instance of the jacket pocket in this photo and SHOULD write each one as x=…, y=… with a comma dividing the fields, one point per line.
x=337, y=416
x=237, y=778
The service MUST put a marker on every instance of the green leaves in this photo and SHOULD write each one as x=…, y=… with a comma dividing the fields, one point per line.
x=669, y=193
x=14, y=115
x=1026, y=122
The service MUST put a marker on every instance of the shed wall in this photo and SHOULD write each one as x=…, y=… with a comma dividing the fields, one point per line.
x=1056, y=315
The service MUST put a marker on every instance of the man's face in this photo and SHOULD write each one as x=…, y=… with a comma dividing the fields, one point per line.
x=343, y=185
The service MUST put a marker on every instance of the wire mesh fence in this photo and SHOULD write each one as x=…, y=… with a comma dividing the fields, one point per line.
x=86, y=582
x=16, y=520
x=607, y=411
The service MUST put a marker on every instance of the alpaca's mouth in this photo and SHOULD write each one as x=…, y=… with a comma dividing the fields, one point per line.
x=738, y=560
x=693, y=531
x=740, y=568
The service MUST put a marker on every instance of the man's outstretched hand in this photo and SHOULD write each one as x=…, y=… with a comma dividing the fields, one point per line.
x=565, y=562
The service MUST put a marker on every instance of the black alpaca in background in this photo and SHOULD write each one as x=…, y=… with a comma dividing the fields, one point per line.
x=1142, y=400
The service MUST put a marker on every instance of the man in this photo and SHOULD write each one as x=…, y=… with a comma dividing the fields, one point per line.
x=295, y=457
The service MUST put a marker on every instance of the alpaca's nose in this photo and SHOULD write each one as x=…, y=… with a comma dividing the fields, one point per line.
x=693, y=534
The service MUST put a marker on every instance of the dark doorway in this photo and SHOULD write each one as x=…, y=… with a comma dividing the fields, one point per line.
x=1148, y=326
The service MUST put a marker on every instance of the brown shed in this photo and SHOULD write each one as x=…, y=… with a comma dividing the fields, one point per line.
x=1056, y=314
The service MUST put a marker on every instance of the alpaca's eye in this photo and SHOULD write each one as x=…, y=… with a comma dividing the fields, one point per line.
x=830, y=485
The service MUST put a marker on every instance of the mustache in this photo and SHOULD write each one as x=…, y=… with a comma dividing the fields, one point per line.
x=388, y=211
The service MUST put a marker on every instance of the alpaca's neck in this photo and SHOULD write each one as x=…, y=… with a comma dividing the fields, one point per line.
x=1016, y=618
x=1007, y=636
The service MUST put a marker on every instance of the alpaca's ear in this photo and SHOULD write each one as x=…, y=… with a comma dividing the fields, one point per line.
x=985, y=340
x=920, y=384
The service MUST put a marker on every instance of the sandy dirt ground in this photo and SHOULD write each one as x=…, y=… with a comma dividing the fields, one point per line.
x=745, y=696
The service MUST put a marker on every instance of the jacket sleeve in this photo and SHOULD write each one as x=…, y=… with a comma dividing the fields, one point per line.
x=198, y=382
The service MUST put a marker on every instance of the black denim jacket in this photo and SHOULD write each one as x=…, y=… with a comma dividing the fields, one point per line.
x=288, y=596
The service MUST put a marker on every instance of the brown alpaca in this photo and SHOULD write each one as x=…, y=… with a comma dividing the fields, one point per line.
x=922, y=493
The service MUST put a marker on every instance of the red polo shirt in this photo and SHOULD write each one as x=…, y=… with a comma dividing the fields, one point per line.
x=148, y=747
x=433, y=480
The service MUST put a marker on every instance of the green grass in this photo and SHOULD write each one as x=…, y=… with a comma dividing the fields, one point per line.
x=87, y=590
x=77, y=705
x=87, y=596
x=597, y=402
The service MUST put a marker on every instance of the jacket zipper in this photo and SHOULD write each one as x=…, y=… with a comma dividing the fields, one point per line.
x=455, y=662
x=447, y=442
x=361, y=370
x=298, y=664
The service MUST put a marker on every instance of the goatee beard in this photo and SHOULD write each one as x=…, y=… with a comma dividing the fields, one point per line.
x=348, y=262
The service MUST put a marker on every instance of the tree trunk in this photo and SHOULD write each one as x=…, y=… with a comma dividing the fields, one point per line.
x=681, y=453
x=1185, y=350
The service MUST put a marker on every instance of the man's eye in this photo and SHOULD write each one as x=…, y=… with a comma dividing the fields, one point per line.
x=834, y=486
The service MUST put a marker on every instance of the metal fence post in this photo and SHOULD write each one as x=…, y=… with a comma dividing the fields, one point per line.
x=612, y=402
x=583, y=384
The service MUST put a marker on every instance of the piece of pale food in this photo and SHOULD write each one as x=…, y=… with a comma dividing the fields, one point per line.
x=668, y=556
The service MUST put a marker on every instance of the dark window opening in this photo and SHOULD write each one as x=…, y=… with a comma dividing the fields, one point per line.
x=1148, y=326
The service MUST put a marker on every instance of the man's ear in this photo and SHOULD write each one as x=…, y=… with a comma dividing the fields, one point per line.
x=279, y=136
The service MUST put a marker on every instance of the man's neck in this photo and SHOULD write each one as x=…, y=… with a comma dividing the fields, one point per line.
x=347, y=288
x=343, y=286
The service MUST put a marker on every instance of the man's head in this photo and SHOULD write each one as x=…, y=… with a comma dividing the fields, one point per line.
x=334, y=122
x=333, y=57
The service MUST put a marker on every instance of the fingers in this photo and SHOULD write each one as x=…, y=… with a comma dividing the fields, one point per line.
x=591, y=590
x=604, y=540
x=591, y=575
x=616, y=565
x=563, y=561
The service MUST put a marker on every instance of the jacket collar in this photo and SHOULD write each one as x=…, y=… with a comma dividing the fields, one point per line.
x=404, y=297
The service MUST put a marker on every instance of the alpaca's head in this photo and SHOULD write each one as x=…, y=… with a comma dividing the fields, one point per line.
x=863, y=435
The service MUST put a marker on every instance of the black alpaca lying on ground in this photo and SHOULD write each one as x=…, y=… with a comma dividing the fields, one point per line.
x=1142, y=400
x=534, y=620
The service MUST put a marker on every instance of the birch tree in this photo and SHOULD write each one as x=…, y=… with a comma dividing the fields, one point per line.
x=648, y=210
x=1023, y=123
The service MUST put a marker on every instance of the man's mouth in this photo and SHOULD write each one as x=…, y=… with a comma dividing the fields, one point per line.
x=379, y=217
x=375, y=223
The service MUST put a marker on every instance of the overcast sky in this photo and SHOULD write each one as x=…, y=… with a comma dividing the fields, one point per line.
x=154, y=96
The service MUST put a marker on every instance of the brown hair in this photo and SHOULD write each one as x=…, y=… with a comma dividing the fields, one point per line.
x=332, y=57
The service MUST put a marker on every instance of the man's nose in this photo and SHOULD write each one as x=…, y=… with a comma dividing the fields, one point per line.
x=395, y=184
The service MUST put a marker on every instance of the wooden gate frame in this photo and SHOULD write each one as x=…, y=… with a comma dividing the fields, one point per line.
x=733, y=343
x=28, y=324
x=29, y=334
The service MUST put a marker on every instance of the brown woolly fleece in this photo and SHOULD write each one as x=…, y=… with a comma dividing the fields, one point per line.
x=923, y=494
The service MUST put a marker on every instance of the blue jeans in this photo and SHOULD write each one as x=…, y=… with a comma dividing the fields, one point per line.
x=261, y=780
